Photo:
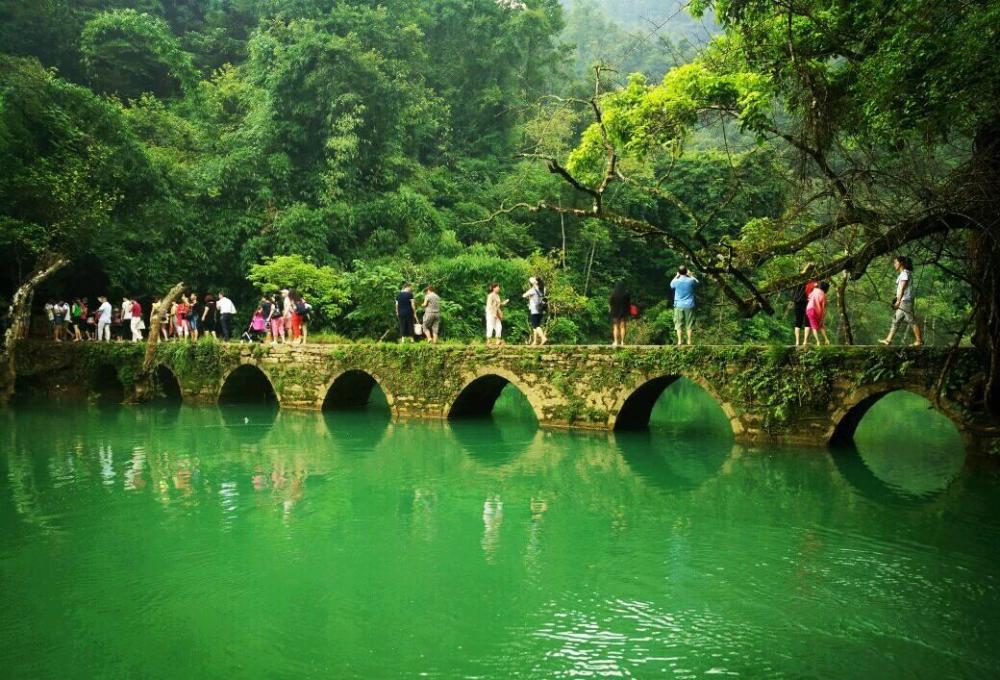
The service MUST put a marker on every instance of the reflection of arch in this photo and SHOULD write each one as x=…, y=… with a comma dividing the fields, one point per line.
x=633, y=409
x=480, y=392
x=860, y=477
x=247, y=384
x=166, y=384
x=679, y=465
x=491, y=444
x=107, y=385
x=352, y=390
x=846, y=419
x=27, y=387
x=356, y=431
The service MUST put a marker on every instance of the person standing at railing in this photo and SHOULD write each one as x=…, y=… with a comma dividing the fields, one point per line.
x=683, y=287
x=227, y=312
x=619, y=307
x=405, y=313
x=432, y=315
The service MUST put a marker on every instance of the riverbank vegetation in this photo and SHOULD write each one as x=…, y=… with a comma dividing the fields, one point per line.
x=346, y=146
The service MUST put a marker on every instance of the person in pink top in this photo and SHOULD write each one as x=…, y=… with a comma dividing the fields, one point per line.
x=816, y=313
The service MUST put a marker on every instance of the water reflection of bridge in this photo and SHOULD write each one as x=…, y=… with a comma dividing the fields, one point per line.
x=189, y=456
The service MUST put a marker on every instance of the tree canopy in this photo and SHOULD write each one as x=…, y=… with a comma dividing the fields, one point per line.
x=453, y=142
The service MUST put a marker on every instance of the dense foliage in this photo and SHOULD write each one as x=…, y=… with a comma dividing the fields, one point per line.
x=345, y=146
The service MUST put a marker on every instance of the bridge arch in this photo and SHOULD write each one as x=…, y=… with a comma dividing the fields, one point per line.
x=846, y=419
x=480, y=391
x=167, y=385
x=107, y=384
x=247, y=383
x=633, y=408
x=352, y=389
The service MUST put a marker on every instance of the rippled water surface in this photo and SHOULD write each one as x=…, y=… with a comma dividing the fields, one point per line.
x=168, y=542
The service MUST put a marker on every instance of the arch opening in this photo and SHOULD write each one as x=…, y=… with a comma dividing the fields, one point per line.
x=899, y=441
x=493, y=396
x=356, y=390
x=247, y=384
x=166, y=387
x=674, y=404
x=107, y=386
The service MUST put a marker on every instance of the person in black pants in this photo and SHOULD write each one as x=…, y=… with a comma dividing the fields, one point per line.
x=227, y=311
x=406, y=313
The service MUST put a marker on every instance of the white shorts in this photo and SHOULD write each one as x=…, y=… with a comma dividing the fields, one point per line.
x=493, y=325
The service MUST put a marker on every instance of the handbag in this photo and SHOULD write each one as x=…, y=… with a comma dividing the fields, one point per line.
x=418, y=329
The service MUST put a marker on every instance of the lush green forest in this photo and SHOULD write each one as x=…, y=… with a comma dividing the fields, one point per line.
x=344, y=146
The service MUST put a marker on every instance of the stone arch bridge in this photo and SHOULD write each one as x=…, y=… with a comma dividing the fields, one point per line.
x=769, y=394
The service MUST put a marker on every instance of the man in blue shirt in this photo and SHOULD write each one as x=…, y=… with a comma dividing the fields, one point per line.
x=683, y=286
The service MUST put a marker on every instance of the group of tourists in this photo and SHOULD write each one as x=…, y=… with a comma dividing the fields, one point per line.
x=429, y=324
x=682, y=288
x=191, y=316
x=809, y=302
x=79, y=320
x=283, y=317
x=280, y=318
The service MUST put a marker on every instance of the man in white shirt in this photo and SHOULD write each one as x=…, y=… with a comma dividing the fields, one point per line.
x=104, y=319
x=227, y=310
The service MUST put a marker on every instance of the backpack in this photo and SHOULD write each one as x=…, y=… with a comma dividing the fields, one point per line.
x=301, y=308
x=543, y=302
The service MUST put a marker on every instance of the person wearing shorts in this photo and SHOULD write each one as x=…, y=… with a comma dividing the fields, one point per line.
x=195, y=310
x=683, y=287
x=535, y=295
x=432, y=315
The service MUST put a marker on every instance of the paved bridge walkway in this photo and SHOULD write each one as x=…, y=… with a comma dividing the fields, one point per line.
x=769, y=394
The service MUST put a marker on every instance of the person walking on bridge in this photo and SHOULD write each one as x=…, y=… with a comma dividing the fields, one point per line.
x=903, y=304
x=816, y=313
x=535, y=295
x=227, y=311
x=619, y=306
x=494, y=314
x=136, y=324
x=432, y=315
x=104, y=320
x=405, y=313
x=683, y=286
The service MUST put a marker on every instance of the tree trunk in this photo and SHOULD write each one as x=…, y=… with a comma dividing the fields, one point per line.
x=845, y=319
x=20, y=313
x=155, y=317
x=984, y=253
x=590, y=264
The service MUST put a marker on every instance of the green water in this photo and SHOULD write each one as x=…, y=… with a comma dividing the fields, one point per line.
x=165, y=542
